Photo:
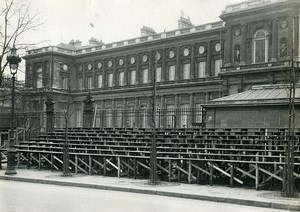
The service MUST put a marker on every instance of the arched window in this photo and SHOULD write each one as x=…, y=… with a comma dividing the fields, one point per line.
x=260, y=46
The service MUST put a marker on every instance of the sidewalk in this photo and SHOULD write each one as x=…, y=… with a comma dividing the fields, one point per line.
x=242, y=196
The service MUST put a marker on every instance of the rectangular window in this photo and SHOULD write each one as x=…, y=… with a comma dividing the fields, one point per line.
x=110, y=80
x=158, y=74
x=184, y=110
x=218, y=65
x=100, y=81
x=201, y=69
x=133, y=77
x=259, y=50
x=79, y=83
x=145, y=76
x=171, y=73
x=64, y=83
x=171, y=116
x=198, y=113
x=78, y=120
x=186, y=71
x=39, y=82
x=121, y=78
x=89, y=82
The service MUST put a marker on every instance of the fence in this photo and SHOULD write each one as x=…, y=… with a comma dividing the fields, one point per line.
x=143, y=118
x=35, y=123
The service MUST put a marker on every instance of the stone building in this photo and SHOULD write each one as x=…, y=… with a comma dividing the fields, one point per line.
x=194, y=64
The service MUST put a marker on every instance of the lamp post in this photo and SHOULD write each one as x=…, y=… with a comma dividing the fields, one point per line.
x=13, y=59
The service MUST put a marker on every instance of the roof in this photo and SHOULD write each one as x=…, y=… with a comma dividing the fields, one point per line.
x=261, y=94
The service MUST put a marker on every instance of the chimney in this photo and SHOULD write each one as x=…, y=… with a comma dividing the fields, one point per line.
x=95, y=42
x=76, y=44
x=184, y=23
x=146, y=31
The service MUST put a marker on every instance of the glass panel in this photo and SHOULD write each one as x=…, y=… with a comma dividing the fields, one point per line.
x=110, y=80
x=99, y=81
x=186, y=71
x=79, y=83
x=170, y=116
x=259, y=51
x=158, y=74
x=218, y=65
x=201, y=69
x=145, y=76
x=121, y=78
x=132, y=77
x=171, y=73
x=89, y=82
x=39, y=81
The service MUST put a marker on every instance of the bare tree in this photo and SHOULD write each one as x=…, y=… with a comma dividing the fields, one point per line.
x=16, y=18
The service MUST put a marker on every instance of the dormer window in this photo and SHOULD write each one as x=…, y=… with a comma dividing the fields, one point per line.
x=260, y=47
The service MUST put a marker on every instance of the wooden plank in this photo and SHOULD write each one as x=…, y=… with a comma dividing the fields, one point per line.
x=143, y=165
x=46, y=159
x=245, y=172
x=201, y=169
x=227, y=174
x=112, y=164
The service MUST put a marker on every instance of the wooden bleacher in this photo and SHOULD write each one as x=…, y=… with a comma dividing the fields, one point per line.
x=252, y=157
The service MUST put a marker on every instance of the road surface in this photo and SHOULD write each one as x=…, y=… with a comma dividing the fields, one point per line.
x=31, y=197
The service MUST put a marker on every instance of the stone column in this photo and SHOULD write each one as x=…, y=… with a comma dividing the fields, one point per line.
x=88, y=111
x=208, y=60
x=49, y=114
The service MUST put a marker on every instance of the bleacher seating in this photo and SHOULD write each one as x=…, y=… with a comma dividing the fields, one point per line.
x=245, y=156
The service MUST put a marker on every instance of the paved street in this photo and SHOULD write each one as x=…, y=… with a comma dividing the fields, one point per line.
x=29, y=197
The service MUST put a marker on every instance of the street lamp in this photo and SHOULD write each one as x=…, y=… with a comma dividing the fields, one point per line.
x=13, y=59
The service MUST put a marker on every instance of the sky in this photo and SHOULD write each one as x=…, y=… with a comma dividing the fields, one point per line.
x=115, y=20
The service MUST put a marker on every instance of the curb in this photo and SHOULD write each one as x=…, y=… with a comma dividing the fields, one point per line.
x=252, y=203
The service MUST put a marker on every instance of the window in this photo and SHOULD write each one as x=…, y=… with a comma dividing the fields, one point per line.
x=39, y=80
x=89, y=82
x=100, y=81
x=79, y=83
x=260, y=47
x=171, y=73
x=132, y=77
x=110, y=80
x=121, y=78
x=78, y=120
x=158, y=74
x=184, y=109
x=218, y=65
x=171, y=116
x=198, y=113
x=64, y=83
x=186, y=71
x=145, y=76
x=201, y=69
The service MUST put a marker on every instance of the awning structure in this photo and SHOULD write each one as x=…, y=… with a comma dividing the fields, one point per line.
x=261, y=94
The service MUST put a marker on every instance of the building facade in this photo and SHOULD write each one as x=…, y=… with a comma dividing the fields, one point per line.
x=253, y=44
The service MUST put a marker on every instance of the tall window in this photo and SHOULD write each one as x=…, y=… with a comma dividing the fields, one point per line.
x=100, y=81
x=260, y=47
x=201, y=69
x=171, y=73
x=218, y=65
x=198, y=113
x=39, y=80
x=158, y=74
x=184, y=115
x=79, y=83
x=64, y=83
x=145, y=76
x=89, y=82
x=186, y=71
x=121, y=78
x=132, y=77
x=110, y=80
x=171, y=116
x=78, y=116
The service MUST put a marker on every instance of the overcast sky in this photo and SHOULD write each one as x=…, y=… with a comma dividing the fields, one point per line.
x=115, y=20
